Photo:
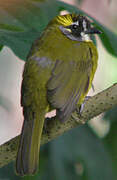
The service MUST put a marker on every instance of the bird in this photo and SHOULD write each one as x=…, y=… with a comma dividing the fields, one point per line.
x=57, y=75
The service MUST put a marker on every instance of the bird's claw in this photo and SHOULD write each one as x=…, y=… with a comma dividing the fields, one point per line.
x=80, y=109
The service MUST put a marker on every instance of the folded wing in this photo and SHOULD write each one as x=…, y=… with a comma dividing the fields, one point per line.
x=68, y=86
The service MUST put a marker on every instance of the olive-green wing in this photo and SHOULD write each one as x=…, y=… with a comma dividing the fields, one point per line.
x=68, y=86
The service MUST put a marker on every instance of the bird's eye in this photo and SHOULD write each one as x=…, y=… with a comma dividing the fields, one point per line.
x=74, y=26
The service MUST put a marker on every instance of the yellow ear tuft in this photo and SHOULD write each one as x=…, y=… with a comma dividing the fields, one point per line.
x=65, y=20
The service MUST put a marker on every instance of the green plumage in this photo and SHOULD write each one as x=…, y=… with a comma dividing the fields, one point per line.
x=58, y=74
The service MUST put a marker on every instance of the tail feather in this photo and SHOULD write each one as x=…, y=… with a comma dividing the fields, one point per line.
x=29, y=146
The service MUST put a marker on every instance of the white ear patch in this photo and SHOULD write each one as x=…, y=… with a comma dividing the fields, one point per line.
x=76, y=23
x=84, y=25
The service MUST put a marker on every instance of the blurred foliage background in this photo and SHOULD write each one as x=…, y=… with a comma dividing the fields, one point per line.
x=88, y=152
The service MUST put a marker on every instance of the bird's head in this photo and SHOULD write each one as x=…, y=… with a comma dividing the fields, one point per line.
x=76, y=27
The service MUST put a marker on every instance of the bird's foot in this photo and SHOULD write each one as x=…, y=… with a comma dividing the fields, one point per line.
x=81, y=107
x=83, y=104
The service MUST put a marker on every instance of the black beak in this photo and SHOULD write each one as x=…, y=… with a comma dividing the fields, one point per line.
x=93, y=30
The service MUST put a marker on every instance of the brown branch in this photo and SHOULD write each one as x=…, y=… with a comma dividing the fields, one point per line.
x=96, y=105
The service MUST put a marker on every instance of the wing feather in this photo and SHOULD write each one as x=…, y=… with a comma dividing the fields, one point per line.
x=66, y=87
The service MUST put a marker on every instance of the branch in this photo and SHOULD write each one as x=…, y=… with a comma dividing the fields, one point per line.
x=94, y=106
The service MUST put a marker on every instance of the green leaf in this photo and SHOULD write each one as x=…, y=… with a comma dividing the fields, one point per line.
x=1, y=46
x=23, y=14
x=79, y=154
x=21, y=22
x=110, y=142
x=9, y=27
x=111, y=139
x=19, y=42
x=111, y=115
x=7, y=172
